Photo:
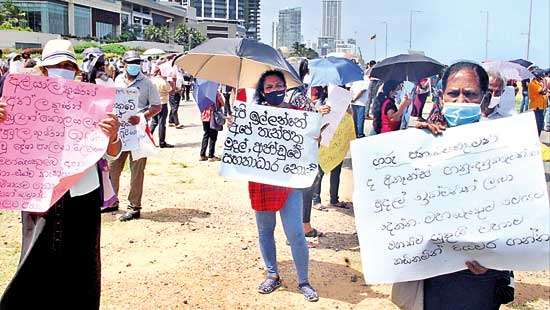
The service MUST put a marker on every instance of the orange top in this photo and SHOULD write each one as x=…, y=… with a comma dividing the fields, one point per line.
x=536, y=99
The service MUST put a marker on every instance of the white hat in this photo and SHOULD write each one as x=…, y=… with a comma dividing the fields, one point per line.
x=56, y=52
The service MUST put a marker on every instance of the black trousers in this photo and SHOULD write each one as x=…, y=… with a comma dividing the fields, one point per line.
x=186, y=91
x=60, y=265
x=174, y=107
x=227, y=104
x=208, y=140
x=334, y=185
x=160, y=121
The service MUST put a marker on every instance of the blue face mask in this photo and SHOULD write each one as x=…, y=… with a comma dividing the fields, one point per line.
x=461, y=114
x=133, y=69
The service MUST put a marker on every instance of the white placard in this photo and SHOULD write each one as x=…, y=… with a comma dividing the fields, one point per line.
x=425, y=205
x=126, y=101
x=271, y=145
x=339, y=100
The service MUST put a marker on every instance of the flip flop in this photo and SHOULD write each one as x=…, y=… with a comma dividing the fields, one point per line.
x=313, y=233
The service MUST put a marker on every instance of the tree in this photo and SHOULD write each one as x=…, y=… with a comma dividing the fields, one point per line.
x=157, y=34
x=300, y=50
x=188, y=37
x=12, y=18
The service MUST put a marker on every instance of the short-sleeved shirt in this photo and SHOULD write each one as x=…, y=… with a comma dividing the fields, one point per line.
x=356, y=88
x=537, y=100
x=148, y=93
x=163, y=88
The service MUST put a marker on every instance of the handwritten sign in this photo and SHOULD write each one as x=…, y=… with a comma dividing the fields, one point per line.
x=49, y=139
x=332, y=155
x=425, y=205
x=126, y=106
x=270, y=145
x=339, y=100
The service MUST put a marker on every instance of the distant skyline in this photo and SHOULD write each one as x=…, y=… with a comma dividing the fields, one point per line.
x=445, y=30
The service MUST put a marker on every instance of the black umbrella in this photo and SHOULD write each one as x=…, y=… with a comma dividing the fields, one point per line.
x=522, y=62
x=406, y=67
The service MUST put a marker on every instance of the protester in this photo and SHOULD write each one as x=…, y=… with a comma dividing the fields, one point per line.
x=149, y=106
x=97, y=74
x=524, y=95
x=164, y=89
x=60, y=265
x=298, y=99
x=211, y=129
x=3, y=64
x=387, y=116
x=187, y=84
x=360, y=92
x=227, y=90
x=422, y=91
x=268, y=199
x=538, y=100
x=374, y=85
x=503, y=97
x=465, y=90
x=176, y=82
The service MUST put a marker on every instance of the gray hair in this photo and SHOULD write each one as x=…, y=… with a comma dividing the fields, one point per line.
x=496, y=75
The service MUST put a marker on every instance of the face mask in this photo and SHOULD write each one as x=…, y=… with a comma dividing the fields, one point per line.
x=275, y=97
x=133, y=69
x=61, y=73
x=16, y=66
x=495, y=101
x=461, y=114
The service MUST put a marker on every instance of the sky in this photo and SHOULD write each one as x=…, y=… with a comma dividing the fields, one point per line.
x=447, y=30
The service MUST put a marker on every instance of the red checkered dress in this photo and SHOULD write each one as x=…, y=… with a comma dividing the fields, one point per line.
x=264, y=197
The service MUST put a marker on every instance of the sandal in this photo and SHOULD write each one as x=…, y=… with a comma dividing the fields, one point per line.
x=340, y=204
x=319, y=206
x=309, y=292
x=269, y=285
x=313, y=233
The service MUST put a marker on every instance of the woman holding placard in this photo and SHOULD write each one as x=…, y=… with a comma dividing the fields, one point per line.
x=267, y=199
x=465, y=93
x=60, y=266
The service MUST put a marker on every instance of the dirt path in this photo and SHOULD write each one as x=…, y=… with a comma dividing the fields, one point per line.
x=196, y=245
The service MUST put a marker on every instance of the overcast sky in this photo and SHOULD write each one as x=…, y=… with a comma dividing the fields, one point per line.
x=445, y=30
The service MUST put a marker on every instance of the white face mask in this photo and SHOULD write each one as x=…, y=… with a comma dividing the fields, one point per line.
x=61, y=73
x=16, y=66
x=495, y=101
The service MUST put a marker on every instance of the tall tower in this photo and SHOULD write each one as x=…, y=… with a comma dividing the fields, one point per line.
x=290, y=27
x=332, y=19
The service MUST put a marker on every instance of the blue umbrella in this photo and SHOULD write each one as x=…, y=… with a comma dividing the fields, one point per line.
x=205, y=93
x=333, y=70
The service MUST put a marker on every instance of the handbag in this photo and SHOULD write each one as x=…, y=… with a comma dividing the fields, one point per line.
x=217, y=118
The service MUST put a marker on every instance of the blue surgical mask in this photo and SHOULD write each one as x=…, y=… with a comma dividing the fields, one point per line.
x=61, y=73
x=133, y=69
x=275, y=97
x=461, y=113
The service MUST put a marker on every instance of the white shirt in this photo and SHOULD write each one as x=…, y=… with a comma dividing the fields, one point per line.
x=356, y=88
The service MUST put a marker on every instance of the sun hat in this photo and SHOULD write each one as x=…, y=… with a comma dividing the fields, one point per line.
x=57, y=51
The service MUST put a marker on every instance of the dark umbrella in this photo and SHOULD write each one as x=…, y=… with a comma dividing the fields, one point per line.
x=235, y=62
x=522, y=62
x=406, y=67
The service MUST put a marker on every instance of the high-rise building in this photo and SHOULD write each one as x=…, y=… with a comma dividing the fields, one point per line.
x=332, y=19
x=252, y=19
x=219, y=18
x=274, y=33
x=290, y=27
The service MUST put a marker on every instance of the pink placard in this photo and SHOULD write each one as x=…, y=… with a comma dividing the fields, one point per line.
x=49, y=139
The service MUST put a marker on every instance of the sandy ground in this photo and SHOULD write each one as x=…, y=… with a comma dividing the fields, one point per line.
x=196, y=245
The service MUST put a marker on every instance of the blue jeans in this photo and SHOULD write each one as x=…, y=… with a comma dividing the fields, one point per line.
x=291, y=216
x=524, y=103
x=358, y=120
x=539, y=117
